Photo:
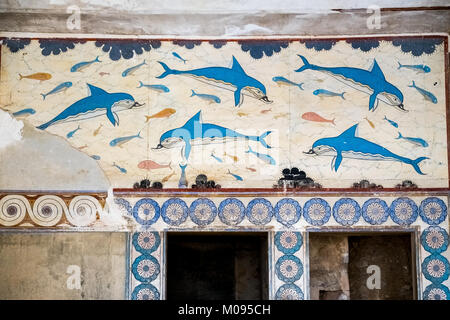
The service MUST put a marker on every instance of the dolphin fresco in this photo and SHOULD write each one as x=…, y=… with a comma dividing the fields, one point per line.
x=195, y=132
x=348, y=145
x=233, y=78
x=371, y=82
x=98, y=103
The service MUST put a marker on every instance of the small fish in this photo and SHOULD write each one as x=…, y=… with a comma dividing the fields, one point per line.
x=83, y=147
x=370, y=122
x=235, y=159
x=81, y=65
x=61, y=87
x=235, y=176
x=326, y=93
x=132, y=69
x=393, y=123
x=217, y=158
x=242, y=114
x=426, y=94
x=416, y=141
x=312, y=116
x=104, y=73
x=123, y=170
x=182, y=183
x=281, y=115
x=156, y=87
x=24, y=112
x=208, y=97
x=282, y=80
x=120, y=141
x=97, y=130
x=71, y=133
x=418, y=67
x=41, y=76
x=267, y=110
x=152, y=165
x=95, y=157
x=176, y=55
x=264, y=157
x=166, y=178
x=161, y=114
x=251, y=169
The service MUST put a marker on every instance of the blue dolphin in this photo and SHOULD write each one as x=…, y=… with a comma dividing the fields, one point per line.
x=233, y=78
x=349, y=146
x=195, y=132
x=98, y=103
x=371, y=82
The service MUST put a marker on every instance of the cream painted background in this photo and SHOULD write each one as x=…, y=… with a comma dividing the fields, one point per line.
x=291, y=134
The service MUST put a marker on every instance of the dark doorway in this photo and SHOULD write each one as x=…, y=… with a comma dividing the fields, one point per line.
x=362, y=266
x=214, y=266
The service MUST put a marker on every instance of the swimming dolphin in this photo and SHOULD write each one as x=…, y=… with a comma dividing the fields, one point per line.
x=371, y=82
x=98, y=103
x=349, y=146
x=233, y=78
x=195, y=132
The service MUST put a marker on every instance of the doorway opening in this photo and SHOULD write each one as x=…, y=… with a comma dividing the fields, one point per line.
x=217, y=266
x=362, y=266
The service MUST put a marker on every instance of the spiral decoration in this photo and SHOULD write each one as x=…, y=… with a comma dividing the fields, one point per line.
x=48, y=210
x=83, y=210
x=13, y=209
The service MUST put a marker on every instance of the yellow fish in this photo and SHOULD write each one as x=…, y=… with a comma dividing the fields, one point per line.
x=41, y=76
x=281, y=115
x=235, y=159
x=165, y=179
x=241, y=114
x=162, y=114
x=97, y=130
x=370, y=122
x=82, y=147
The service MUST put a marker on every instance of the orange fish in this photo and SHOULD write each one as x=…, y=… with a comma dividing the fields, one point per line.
x=41, y=76
x=82, y=147
x=162, y=114
x=97, y=130
x=251, y=169
x=235, y=159
x=152, y=165
x=312, y=116
x=267, y=110
x=165, y=179
x=370, y=122
x=103, y=73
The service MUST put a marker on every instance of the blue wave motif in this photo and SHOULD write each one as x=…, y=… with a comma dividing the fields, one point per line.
x=15, y=45
x=126, y=49
x=319, y=44
x=217, y=43
x=364, y=45
x=188, y=44
x=257, y=49
x=55, y=46
x=417, y=47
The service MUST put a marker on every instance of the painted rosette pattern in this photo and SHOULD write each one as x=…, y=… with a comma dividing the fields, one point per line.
x=433, y=210
x=289, y=291
x=202, y=211
x=317, y=211
x=288, y=211
x=259, y=211
x=146, y=242
x=404, y=211
x=145, y=291
x=435, y=268
x=83, y=210
x=288, y=268
x=146, y=211
x=174, y=211
x=13, y=209
x=288, y=242
x=375, y=211
x=231, y=211
x=48, y=210
x=346, y=211
x=145, y=268
x=436, y=292
x=434, y=239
